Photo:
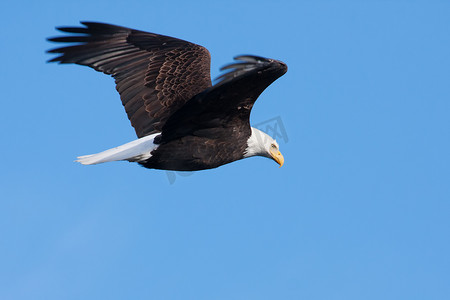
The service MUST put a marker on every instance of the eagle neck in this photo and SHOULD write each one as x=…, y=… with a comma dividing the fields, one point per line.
x=256, y=144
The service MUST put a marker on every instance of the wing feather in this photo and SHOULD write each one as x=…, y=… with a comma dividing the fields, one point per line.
x=228, y=103
x=155, y=75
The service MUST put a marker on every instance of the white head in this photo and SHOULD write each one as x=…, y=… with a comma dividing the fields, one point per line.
x=262, y=144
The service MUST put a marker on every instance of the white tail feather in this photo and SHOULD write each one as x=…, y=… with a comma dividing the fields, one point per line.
x=137, y=150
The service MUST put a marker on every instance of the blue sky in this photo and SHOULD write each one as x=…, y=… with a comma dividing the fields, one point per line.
x=360, y=210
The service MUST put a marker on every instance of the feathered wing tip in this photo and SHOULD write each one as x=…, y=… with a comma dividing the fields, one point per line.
x=251, y=58
x=243, y=64
x=91, y=32
x=91, y=28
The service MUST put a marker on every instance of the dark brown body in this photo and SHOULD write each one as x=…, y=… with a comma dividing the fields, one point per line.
x=191, y=153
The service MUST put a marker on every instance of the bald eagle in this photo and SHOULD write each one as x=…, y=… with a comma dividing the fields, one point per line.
x=183, y=122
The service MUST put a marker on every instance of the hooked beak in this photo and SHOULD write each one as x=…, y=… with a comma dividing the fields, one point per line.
x=277, y=156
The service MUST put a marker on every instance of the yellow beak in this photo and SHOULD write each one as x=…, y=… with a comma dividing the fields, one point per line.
x=277, y=156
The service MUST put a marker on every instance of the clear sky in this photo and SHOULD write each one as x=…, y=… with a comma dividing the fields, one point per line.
x=361, y=209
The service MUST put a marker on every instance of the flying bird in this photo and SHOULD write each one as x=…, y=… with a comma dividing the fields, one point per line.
x=183, y=122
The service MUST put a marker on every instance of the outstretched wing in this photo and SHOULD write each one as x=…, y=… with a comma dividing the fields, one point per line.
x=155, y=75
x=228, y=103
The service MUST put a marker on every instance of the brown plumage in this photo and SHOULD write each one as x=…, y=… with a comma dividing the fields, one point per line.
x=165, y=86
x=155, y=75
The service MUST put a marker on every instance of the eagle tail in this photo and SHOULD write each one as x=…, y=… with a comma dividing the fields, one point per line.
x=137, y=150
